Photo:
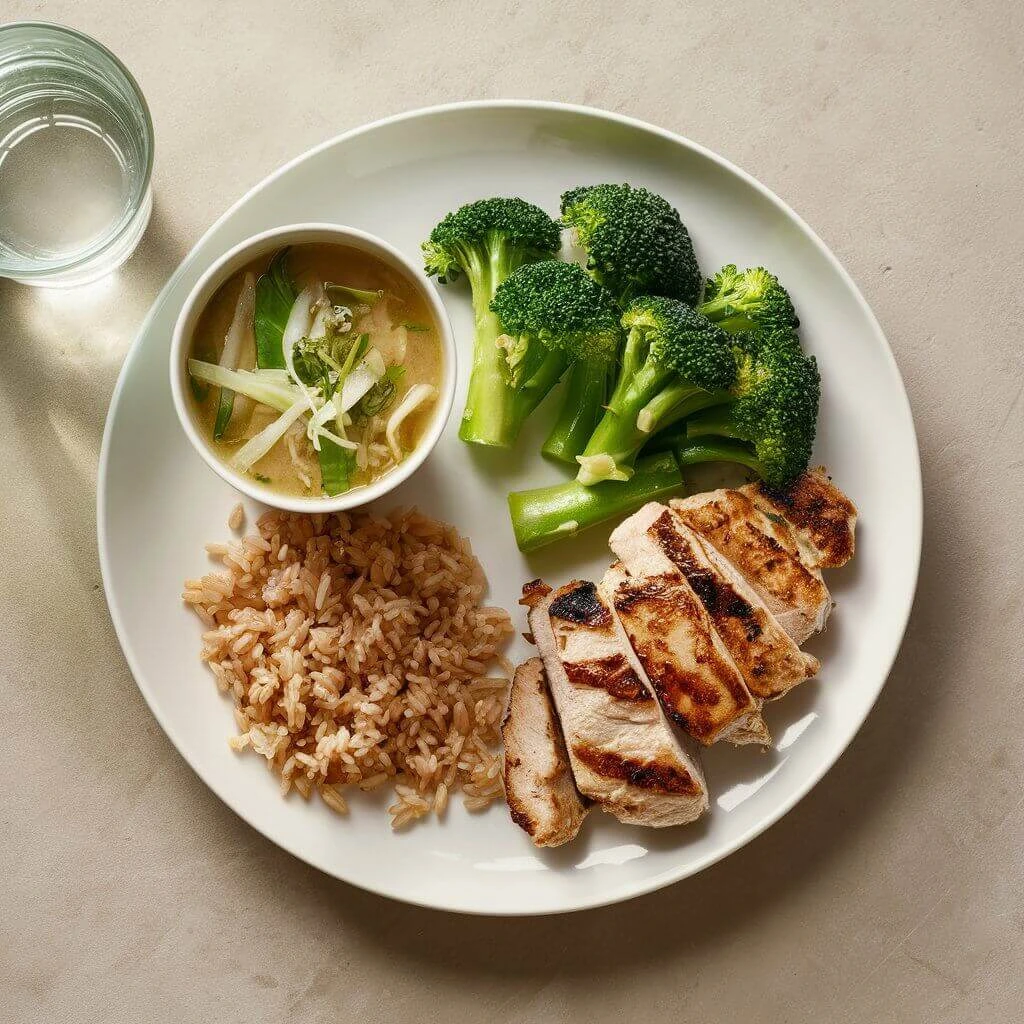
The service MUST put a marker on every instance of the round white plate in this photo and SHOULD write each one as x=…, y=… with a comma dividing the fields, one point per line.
x=158, y=503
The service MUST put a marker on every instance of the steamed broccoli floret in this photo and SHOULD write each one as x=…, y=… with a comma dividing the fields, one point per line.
x=551, y=314
x=747, y=300
x=486, y=241
x=674, y=363
x=490, y=237
x=772, y=410
x=635, y=245
x=635, y=242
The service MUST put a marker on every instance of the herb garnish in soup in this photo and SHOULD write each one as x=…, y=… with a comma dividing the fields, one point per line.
x=315, y=371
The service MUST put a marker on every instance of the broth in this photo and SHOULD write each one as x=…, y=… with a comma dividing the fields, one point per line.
x=400, y=327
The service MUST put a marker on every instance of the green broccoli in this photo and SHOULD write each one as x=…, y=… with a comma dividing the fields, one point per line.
x=635, y=242
x=486, y=241
x=768, y=421
x=748, y=300
x=635, y=245
x=675, y=362
x=690, y=452
x=551, y=315
x=588, y=383
x=545, y=514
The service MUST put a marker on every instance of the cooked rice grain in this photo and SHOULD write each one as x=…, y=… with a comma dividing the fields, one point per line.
x=237, y=518
x=356, y=650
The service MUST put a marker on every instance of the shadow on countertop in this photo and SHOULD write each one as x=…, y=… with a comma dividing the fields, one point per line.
x=58, y=376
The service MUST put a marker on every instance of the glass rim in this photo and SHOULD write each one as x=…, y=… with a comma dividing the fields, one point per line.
x=60, y=268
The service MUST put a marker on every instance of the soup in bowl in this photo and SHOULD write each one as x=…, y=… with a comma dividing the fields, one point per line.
x=313, y=367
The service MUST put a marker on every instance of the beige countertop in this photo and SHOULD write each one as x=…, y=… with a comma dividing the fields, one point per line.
x=894, y=891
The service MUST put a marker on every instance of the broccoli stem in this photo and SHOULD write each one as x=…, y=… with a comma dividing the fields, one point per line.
x=734, y=324
x=717, y=449
x=485, y=418
x=693, y=445
x=535, y=388
x=546, y=514
x=722, y=311
x=633, y=356
x=586, y=391
x=494, y=413
x=675, y=403
x=636, y=411
x=711, y=422
x=714, y=308
x=617, y=434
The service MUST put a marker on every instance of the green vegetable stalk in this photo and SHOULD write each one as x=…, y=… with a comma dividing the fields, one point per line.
x=585, y=394
x=487, y=241
x=547, y=514
x=337, y=465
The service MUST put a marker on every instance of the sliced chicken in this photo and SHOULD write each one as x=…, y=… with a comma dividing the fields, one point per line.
x=821, y=516
x=682, y=655
x=655, y=541
x=624, y=754
x=539, y=788
x=765, y=552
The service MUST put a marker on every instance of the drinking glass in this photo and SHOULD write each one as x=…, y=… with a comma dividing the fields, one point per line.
x=76, y=154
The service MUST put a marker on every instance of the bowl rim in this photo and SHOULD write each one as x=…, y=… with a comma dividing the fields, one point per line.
x=219, y=271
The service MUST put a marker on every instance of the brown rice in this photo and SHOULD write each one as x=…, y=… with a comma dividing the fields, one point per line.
x=237, y=518
x=357, y=653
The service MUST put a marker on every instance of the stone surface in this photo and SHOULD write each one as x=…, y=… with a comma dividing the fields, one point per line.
x=892, y=892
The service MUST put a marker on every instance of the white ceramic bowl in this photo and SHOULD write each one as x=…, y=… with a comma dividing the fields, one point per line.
x=263, y=244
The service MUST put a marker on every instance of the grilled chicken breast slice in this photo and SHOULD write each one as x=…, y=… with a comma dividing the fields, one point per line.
x=539, y=787
x=654, y=540
x=765, y=552
x=682, y=655
x=822, y=517
x=624, y=754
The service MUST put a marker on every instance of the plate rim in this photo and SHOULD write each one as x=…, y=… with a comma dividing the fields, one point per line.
x=612, y=894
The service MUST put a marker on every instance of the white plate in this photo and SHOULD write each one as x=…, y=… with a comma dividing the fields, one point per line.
x=158, y=503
